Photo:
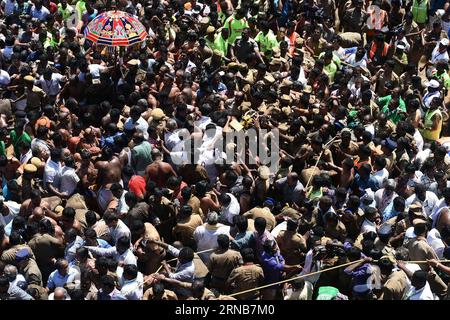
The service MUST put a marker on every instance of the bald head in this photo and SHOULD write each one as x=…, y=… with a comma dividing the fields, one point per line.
x=292, y=178
x=60, y=294
x=38, y=213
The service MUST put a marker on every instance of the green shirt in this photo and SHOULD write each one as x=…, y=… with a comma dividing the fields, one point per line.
x=221, y=44
x=2, y=148
x=80, y=8
x=235, y=27
x=395, y=115
x=445, y=78
x=16, y=140
x=67, y=12
x=330, y=70
x=336, y=59
x=266, y=42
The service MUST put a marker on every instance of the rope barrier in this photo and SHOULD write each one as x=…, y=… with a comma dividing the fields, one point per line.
x=318, y=272
x=159, y=269
x=294, y=278
x=285, y=280
x=317, y=162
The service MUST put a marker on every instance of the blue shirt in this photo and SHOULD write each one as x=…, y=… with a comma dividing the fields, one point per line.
x=389, y=212
x=242, y=240
x=365, y=183
x=359, y=274
x=272, y=266
x=56, y=280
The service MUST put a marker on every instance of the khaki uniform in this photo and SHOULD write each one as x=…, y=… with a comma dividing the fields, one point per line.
x=32, y=273
x=167, y=295
x=291, y=245
x=386, y=249
x=34, y=97
x=207, y=294
x=395, y=286
x=101, y=229
x=9, y=256
x=244, y=278
x=420, y=250
x=184, y=230
x=340, y=153
x=262, y=213
x=153, y=253
x=45, y=248
x=138, y=212
x=220, y=265
x=194, y=202
x=200, y=268
x=338, y=232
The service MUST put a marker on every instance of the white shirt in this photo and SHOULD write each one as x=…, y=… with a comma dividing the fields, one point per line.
x=140, y=125
x=434, y=240
x=427, y=205
x=437, y=56
x=119, y=231
x=383, y=200
x=19, y=278
x=51, y=87
x=71, y=249
x=14, y=209
x=66, y=180
x=206, y=238
x=131, y=289
x=437, y=208
x=5, y=79
x=126, y=258
x=24, y=158
x=280, y=227
x=368, y=226
x=123, y=207
x=424, y=293
x=50, y=171
x=95, y=70
x=381, y=175
x=429, y=96
x=40, y=14
x=419, y=140
x=233, y=209
x=171, y=139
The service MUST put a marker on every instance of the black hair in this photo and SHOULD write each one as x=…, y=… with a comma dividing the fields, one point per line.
x=260, y=224
x=69, y=213
x=186, y=254
x=130, y=270
x=223, y=241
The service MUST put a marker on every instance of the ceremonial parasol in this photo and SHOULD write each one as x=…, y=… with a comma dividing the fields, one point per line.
x=115, y=29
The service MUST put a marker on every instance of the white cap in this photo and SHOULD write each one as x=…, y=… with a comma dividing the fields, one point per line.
x=410, y=233
x=433, y=84
x=401, y=46
x=444, y=42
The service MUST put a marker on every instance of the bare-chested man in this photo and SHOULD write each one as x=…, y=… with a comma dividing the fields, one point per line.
x=27, y=207
x=8, y=168
x=38, y=214
x=159, y=171
x=109, y=171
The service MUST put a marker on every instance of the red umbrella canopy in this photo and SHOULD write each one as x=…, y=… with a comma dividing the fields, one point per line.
x=115, y=28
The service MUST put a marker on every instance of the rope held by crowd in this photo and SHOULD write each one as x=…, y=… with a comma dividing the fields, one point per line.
x=318, y=159
x=285, y=280
x=317, y=272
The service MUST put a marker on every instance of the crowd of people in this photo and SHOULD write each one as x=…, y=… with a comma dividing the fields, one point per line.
x=97, y=205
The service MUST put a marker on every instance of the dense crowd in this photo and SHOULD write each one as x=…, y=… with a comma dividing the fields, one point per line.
x=99, y=202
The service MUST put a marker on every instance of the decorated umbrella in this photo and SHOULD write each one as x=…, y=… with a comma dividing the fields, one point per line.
x=115, y=29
